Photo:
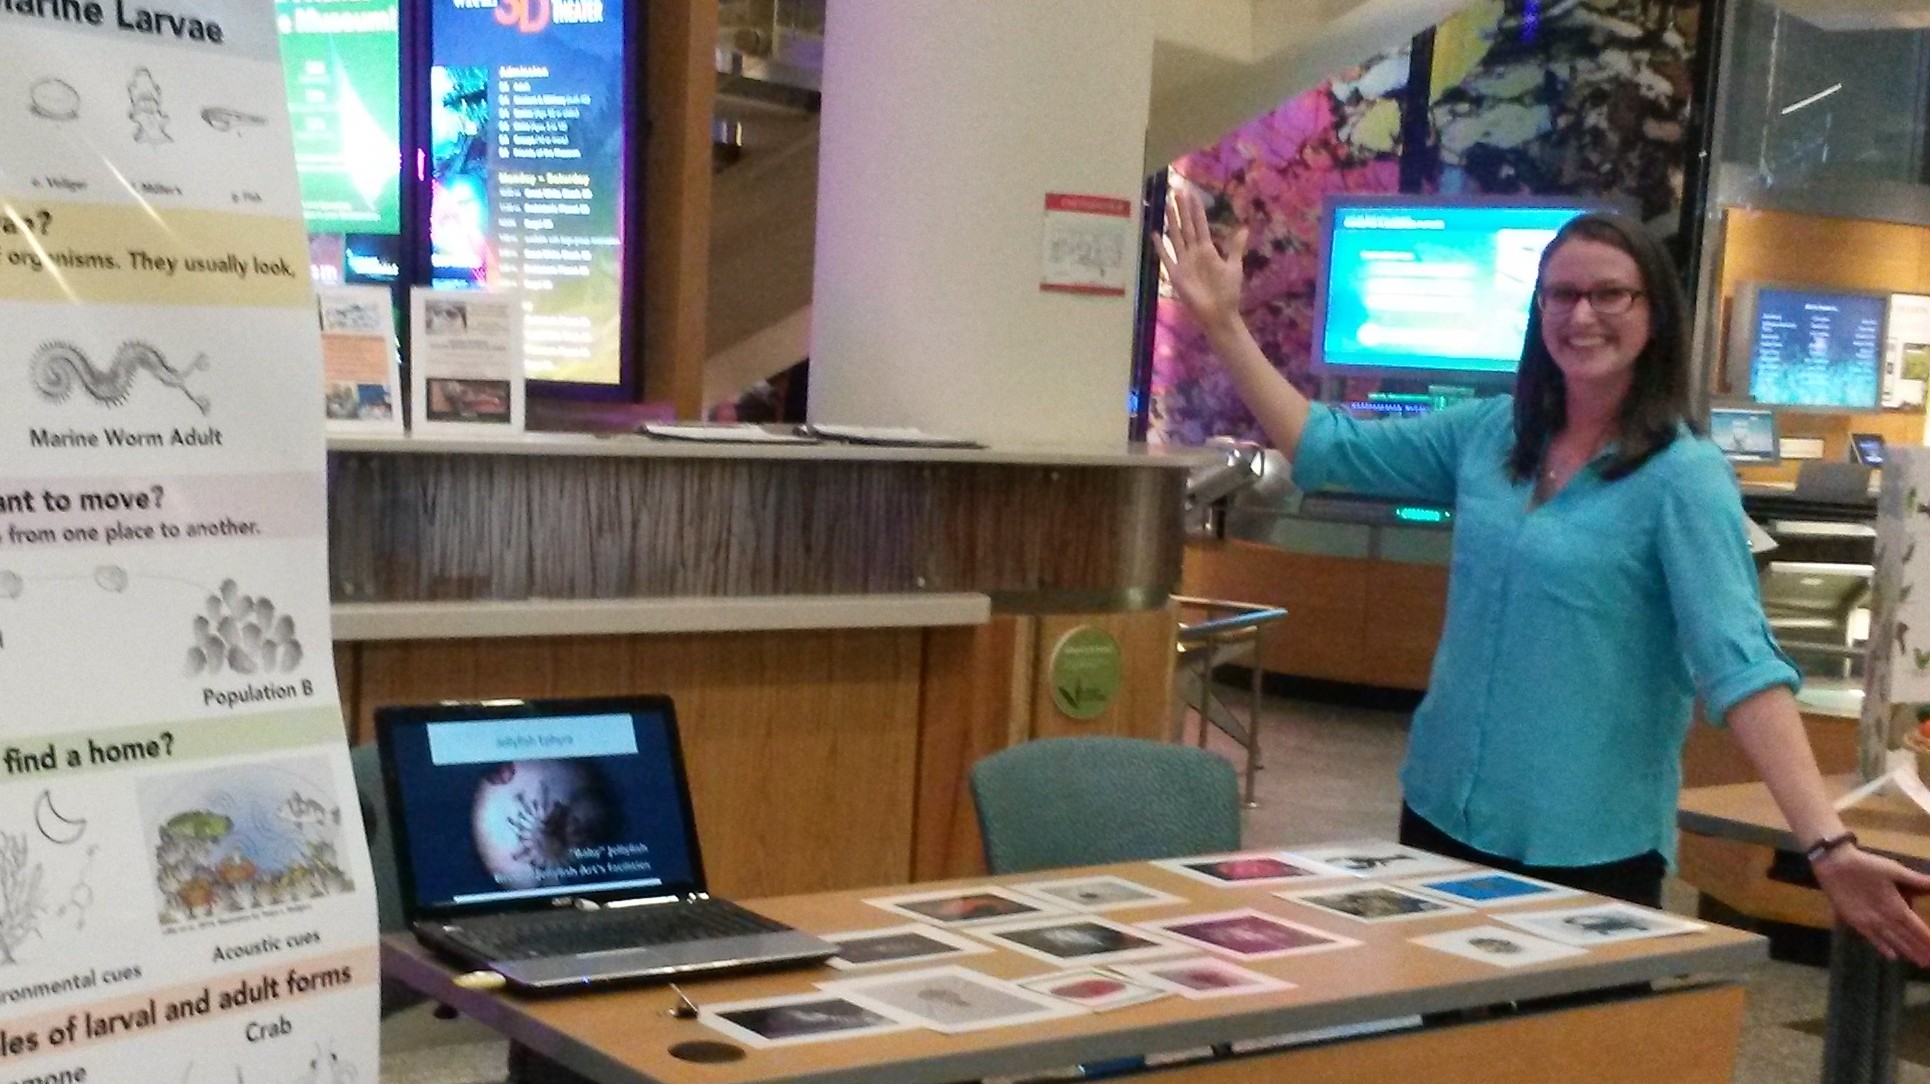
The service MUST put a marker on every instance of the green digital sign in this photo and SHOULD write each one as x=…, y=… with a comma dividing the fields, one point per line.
x=342, y=61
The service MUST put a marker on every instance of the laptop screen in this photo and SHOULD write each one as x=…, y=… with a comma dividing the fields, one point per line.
x=1745, y=435
x=510, y=803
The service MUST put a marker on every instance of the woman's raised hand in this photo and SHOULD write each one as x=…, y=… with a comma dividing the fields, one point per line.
x=1205, y=277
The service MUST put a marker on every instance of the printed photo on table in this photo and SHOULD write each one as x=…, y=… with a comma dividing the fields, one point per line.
x=1378, y=858
x=1491, y=888
x=1250, y=934
x=1093, y=989
x=1202, y=977
x=1103, y=893
x=1085, y=939
x=1249, y=868
x=962, y=907
x=1600, y=924
x=1498, y=946
x=898, y=944
x=797, y=1018
x=1374, y=903
x=951, y=999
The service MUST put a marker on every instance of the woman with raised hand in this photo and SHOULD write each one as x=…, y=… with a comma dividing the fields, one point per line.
x=1601, y=582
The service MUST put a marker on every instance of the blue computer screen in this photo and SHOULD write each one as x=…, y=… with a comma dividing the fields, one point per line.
x=525, y=808
x=1817, y=348
x=1413, y=286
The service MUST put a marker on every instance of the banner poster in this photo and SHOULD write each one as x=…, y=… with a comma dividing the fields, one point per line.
x=185, y=892
x=1898, y=668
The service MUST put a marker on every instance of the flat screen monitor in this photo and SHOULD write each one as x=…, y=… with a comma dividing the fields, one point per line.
x=1415, y=286
x=530, y=151
x=342, y=62
x=1812, y=347
x=1867, y=448
x=1745, y=435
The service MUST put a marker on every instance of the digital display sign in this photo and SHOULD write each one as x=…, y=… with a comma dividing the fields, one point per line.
x=527, y=149
x=1817, y=348
x=342, y=62
x=1415, y=287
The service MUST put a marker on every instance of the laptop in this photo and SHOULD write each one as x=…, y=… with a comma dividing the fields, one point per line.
x=552, y=842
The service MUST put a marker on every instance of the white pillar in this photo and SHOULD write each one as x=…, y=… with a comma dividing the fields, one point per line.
x=946, y=123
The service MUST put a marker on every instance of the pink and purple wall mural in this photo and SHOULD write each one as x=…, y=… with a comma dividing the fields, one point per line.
x=1579, y=97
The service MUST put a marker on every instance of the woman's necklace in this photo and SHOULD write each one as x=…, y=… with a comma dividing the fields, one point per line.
x=1558, y=466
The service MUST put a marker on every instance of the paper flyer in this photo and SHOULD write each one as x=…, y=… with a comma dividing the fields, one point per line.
x=466, y=363
x=361, y=362
x=1906, y=351
x=1089, y=245
x=185, y=893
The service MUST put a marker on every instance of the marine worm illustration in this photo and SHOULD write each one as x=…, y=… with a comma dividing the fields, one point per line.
x=60, y=367
x=223, y=119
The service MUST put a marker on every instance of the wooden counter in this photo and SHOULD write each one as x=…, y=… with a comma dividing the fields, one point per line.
x=845, y=629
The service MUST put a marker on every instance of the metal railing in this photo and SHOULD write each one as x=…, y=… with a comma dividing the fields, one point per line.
x=1227, y=632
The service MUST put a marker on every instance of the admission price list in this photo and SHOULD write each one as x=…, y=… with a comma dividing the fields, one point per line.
x=544, y=199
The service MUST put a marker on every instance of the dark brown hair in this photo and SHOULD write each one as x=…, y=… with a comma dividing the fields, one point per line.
x=1657, y=405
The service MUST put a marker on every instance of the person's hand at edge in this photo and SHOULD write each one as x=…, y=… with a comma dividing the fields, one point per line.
x=1206, y=277
x=1873, y=895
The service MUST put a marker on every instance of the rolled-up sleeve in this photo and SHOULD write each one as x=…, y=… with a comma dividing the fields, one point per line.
x=1713, y=589
x=1407, y=458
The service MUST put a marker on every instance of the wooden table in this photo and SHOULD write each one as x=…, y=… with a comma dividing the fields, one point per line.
x=1866, y=991
x=1686, y=1034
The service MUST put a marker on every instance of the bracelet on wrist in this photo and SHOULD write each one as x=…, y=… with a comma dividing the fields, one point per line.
x=1827, y=846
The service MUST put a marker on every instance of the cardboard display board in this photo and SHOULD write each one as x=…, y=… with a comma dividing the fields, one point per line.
x=185, y=892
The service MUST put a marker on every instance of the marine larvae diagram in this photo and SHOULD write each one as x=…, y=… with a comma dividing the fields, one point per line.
x=53, y=99
x=223, y=119
x=58, y=368
x=30, y=910
x=144, y=109
x=241, y=633
x=244, y=634
x=242, y=839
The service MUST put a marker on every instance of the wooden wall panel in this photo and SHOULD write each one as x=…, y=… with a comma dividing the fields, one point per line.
x=348, y=687
x=967, y=711
x=801, y=747
x=1348, y=619
x=1143, y=707
x=679, y=99
x=1324, y=634
x=1406, y=608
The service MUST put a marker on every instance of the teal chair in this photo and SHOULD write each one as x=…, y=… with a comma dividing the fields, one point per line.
x=1088, y=801
x=367, y=766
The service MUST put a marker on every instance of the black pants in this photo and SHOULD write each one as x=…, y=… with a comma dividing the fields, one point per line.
x=1637, y=879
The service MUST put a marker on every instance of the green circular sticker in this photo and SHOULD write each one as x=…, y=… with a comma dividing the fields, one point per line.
x=1085, y=672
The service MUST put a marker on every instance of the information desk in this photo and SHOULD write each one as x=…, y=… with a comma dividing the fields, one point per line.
x=1687, y=1034
x=1866, y=991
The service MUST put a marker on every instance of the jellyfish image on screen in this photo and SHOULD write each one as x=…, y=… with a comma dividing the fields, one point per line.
x=536, y=822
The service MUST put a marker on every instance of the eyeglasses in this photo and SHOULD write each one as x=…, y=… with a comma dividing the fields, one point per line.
x=1605, y=300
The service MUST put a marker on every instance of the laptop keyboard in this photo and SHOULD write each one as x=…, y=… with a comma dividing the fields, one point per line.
x=537, y=934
